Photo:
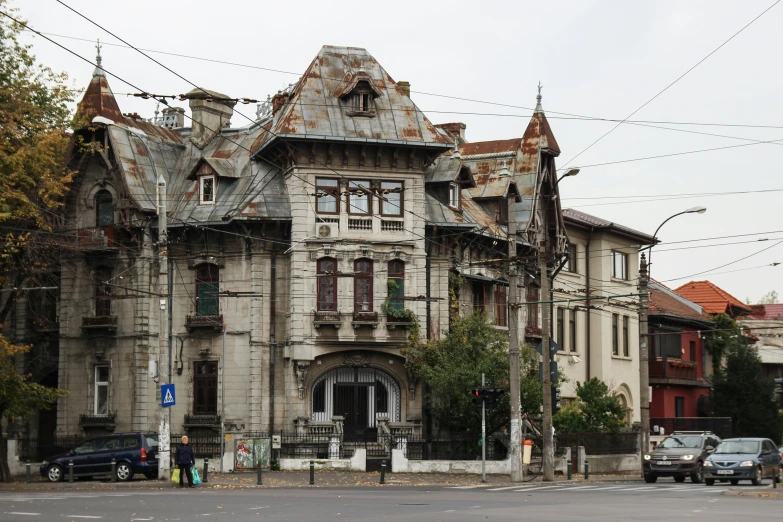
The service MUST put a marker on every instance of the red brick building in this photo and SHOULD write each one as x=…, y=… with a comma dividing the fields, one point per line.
x=677, y=357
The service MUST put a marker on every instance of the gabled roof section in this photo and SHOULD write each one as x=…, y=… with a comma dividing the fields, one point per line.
x=314, y=109
x=584, y=220
x=223, y=167
x=449, y=169
x=714, y=299
x=351, y=81
x=666, y=303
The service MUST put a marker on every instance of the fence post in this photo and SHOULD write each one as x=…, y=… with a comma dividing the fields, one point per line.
x=259, y=482
x=312, y=472
x=206, y=469
x=28, y=467
x=587, y=469
x=70, y=471
x=383, y=472
x=113, y=469
x=568, y=467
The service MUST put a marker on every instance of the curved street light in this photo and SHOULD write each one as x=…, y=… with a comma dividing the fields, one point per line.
x=692, y=210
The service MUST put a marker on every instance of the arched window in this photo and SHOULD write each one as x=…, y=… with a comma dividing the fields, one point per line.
x=104, y=209
x=327, y=284
x=102, y=291
x=362, y=285
x=207, y=288
x=396, y=284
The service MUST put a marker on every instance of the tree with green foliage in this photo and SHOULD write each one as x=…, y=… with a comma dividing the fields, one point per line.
x=740, y=392
x=596, y=409
x=452, y=368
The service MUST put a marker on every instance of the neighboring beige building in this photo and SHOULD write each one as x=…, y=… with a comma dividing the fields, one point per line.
x=305, y=246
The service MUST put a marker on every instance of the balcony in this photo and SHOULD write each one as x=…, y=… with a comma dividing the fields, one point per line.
x=532, y=331
x=105, y=323
x=202, y=421
x=98, y=239
x=673, y=369
x=361, y=319
x=98, y=423
x=205, y=322
x=327, y=319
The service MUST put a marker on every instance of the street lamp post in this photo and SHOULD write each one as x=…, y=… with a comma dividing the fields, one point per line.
x=644, y=370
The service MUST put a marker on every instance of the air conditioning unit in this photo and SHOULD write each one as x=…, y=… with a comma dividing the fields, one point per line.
x=326, y=230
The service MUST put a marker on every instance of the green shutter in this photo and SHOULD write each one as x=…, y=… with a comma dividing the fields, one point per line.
x=208, y=298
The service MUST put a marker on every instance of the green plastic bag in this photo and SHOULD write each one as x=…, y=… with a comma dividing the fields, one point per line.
x=196, y=478
x=175, y=475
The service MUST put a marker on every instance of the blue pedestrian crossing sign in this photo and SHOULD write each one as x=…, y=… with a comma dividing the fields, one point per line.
x=167, y=395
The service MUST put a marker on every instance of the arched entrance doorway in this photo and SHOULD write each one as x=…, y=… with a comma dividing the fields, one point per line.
x=360, y=396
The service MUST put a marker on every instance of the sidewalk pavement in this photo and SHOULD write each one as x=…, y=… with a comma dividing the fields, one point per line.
x=768, y=493
x=301, y=479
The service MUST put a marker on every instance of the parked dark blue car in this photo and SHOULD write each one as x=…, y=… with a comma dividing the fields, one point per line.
x=744, y=459
x=133, y=453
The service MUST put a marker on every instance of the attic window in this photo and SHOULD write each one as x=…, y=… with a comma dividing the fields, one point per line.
x=453, y=195
x=361, y=101
x=207, y=190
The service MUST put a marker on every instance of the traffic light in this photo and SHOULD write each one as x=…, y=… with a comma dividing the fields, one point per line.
x=555, y=399
x=488, y=396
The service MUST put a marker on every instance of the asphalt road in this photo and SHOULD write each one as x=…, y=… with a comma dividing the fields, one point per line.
x=606, y=502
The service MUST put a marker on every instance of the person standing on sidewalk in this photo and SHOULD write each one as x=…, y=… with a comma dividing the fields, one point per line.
x=183, y=456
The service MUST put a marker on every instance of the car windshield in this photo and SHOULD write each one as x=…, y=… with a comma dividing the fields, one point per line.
x=680, y=442
x=738, y=446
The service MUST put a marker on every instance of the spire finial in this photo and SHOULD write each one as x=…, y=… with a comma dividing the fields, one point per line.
x=456, y=154
x=539, y=108
x=98, y=60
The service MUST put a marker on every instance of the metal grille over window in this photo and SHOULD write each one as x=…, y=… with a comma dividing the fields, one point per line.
x=207, y=288
x=205, y=387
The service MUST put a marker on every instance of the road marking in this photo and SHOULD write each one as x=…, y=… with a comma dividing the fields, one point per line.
x=497, y=489
x=613, y=487
x=469, y=487
x=582, y=487
x=22, y=513
x=638, y=489
x=531, y=489
x=82, y=516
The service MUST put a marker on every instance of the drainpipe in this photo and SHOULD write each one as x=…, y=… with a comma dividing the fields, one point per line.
x=272, y=342
x=428, y=307
x=587, y=302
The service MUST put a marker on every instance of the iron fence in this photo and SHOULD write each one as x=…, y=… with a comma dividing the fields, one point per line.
x=720, y=426
x=455, y=447
x=35, y=449
x=204, y=445
x=304, y=445
x=600, y=443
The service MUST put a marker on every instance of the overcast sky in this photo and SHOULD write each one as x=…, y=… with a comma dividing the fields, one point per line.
x=602, y=59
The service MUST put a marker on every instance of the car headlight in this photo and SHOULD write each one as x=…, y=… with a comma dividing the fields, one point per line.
x=747, y=463
x=687, y=457
x=646, y=457
x=708, y=464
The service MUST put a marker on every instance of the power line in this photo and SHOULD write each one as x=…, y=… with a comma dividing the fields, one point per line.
x=725, y=265
x=671, y=84
x=676, y=195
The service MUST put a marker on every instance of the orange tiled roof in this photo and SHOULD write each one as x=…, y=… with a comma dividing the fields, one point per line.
x=713, y=299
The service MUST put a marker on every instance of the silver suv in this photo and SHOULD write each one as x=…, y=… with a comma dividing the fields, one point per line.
x=680, y=455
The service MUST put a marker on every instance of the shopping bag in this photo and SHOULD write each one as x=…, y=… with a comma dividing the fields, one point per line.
x=196, y=478
x=175, y=475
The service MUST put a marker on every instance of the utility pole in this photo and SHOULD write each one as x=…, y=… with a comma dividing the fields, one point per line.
x=549, y=451
x=515, y=453
x=164, y=427
x=483, y=436
x=644, y=370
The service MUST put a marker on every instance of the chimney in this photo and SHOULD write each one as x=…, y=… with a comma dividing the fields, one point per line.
x=405, y=87
x=173, y=118
x=455, y=130
x=211, y=112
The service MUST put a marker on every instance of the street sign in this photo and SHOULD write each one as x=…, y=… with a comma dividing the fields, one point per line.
x=553, y=348
x=168, y=394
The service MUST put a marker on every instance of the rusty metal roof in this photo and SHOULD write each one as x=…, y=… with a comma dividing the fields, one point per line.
x=314, y=108
x=576, y=217
x=448, y=169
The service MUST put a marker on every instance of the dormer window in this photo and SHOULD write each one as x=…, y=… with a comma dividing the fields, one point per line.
x=454, y=195
x=207, y=190
x=358, y=92
x=361, y=102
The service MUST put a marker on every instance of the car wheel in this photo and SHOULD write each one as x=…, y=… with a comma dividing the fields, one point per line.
x=758, y=477
x=54, y=473
x=152, y=475
x=709, y=482
x=698, y=474
x=734, y=482
x=650, y=479
x=124, y=472
x=679, y=478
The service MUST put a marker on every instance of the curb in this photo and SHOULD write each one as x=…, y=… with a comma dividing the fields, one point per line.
x=766, y=494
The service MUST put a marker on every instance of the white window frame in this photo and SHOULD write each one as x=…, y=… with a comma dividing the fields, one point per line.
x=100, y=384
x=454, y=195
x=201, y=181
x=616, y=254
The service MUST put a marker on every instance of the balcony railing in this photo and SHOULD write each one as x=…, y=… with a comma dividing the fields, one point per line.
x=106, y=322
x=327, y=318
x=214, y=322
x=365, y=319
x=98, y=422
x=532, y=331
x=97, y=238
x=673, y=369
